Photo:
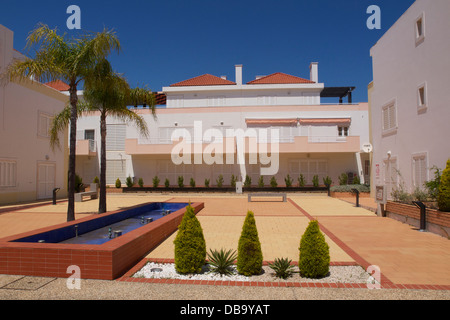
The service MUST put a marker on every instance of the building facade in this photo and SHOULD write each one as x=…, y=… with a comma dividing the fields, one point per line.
x=29, y=168
x=209, y=126
x=408, y=99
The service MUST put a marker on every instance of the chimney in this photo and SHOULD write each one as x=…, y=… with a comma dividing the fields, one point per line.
x=223, y=77
x=239, y=74
x=314, y=72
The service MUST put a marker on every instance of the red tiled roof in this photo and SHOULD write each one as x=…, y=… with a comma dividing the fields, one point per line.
x=280, y=78
x=58, y=85
x=204, y=80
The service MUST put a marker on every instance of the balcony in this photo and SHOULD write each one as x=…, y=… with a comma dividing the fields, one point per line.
x=86, y=148
x=306, y=144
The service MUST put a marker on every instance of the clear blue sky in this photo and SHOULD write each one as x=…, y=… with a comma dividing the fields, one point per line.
x=167, y=41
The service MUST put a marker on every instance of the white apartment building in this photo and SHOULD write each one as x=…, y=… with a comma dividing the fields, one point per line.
x=304, y=136
x=410, y=107
x=29, y=168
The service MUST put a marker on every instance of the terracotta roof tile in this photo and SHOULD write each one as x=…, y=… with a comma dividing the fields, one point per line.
x=280, y=78
x=58, y=85
x=204, y=80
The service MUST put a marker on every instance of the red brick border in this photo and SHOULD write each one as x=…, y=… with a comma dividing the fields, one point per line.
x=107, y=261
x=385, y=282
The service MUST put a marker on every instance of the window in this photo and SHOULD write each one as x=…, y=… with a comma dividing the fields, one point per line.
x=8, y=173
x=389, y=114
x=343, y=131
x=44, y=124
x=419, y=170
x=421, y=98
x=419, y=29
x=89, y=134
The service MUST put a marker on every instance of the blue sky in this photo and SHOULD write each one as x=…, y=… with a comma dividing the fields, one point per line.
x=164, y=42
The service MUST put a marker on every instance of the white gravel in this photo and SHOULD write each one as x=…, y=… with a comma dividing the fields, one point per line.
x=337, y=274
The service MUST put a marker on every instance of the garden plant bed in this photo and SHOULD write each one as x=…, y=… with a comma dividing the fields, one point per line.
x=224, y=189
x=338, y=274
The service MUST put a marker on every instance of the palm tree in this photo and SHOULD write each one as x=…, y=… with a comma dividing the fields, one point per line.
x=109, y=94
x=69, y=60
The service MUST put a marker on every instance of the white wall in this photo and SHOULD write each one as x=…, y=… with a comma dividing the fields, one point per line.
x=400, y=66
x=21, y=104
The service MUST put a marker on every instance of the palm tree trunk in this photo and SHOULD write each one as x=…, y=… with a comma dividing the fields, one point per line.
x=72, y=152
x=102, y=201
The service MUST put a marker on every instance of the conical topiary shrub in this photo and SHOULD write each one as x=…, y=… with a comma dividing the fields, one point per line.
x=190, y=245
x=443, y=197
x=314, y=259
x=250, y=258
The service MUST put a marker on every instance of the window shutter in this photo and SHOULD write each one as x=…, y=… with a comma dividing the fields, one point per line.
x=115, y=137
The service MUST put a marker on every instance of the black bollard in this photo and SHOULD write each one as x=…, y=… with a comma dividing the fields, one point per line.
x=423, y=215
x=357, y=196
x=54, y=195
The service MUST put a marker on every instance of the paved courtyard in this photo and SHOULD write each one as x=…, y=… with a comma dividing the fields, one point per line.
x=355, y=235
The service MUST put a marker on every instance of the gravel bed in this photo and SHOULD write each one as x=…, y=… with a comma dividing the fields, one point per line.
x=337, y=274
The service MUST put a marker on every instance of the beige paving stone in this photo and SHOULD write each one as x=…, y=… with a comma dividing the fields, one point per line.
x=326, y=206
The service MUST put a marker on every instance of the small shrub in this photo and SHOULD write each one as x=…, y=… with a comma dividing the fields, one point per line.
x=288, y=180
x=96, y=180
x=301, y=180
x=419, y=195
x=356, y=180
x=141, y=182
x=167, y=183
x=155, y=181
x=190, y=245
x=248, y=181
x=261, y=182
x=181, y=181
x=233, y=181
x=273, y=182
x=399, y=193
x=78, y=183
x=219, y=181
x=250, y=258
x=433, y=185
x=282, y=267
x=222, y=261
x=315, y=181
x=314, y=259
x=327, y=181
x=192, y=183
x=207, y=183
x=129, y=182
x=118, y=183
x=343, y=179
x=443, y=197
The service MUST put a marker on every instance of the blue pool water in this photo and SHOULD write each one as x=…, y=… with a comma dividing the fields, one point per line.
x=97, y=231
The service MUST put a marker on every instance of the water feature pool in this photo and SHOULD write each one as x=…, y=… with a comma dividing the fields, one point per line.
x=104, y=229
x=52, y=251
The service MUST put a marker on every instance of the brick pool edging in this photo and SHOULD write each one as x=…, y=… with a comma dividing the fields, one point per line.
x=106, y=262
x=128, y=277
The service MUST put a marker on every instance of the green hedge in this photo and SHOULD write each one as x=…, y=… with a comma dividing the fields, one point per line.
x=349, y=187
